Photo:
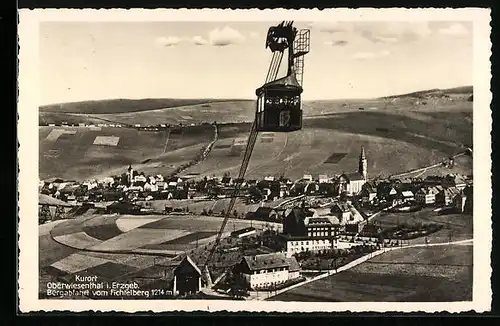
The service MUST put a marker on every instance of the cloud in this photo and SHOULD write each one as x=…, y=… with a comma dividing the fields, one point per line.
x=337, y=43
x=370, y=55
x=168, y=41
x=224, y=36
x=454, y=29
x=392, y=32
x=198, y=40
x=329, y=28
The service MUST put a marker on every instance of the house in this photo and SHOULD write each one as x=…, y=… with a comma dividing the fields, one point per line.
x=445, y=196
x=150, y=187
x=140, y=179
x=368, y=193
x=267, y=270
x=426, y=196
x=122, y=208
x=244, y=232
x=319, y=227
x=187, y=278
x=268, y=178
x=311, y=188
x=327, y=189
x=307, y=177
x=323, y=178
x=296, y=245
x=341, y=211
x=407, y=196
x=386, y=190
x=265, y=214
x=452, y=180
x=294, y=222
x=353, y=228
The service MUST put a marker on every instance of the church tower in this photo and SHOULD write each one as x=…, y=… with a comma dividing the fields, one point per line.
x=363, y=164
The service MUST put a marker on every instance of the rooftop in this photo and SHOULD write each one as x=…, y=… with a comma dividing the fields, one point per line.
x=266, y=261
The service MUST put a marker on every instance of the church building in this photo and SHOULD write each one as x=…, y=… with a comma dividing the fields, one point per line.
x=352, y=183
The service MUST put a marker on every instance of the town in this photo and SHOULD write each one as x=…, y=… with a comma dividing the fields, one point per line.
x=322, y=223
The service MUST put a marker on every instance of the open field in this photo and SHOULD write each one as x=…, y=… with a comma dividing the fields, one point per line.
x=455, y=226
x=399, y=134
x=310, y=150
x=76, y=156
x=427, y=274
x=125, y=105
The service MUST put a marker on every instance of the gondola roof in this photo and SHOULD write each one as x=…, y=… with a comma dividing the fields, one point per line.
x=287, y=82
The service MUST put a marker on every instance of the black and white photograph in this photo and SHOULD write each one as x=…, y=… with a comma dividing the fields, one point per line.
x=321, y=160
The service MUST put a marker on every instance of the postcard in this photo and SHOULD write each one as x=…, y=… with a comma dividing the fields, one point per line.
x=246, y=160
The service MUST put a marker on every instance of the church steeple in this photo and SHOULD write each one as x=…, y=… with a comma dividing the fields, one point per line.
x=363, y=164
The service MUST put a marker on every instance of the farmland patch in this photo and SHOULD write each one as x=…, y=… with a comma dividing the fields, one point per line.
x=266, y=139
x=103, y=232
x=335, y=158
x=50, y=270
x=78, y=262
x=221, y=146
x=189, y=238
x=106, y=140
x=137, y=238
x=79, y=240
x=109, y=270
x=54, y=134
x=51, y=251
x=127, y=224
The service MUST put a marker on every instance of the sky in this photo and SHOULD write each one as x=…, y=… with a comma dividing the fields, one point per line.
x=106, y=60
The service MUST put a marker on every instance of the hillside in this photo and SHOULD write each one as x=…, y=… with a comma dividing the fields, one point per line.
x=394, y=142
x=467, y=90
x=123, y=105
x=398, y=136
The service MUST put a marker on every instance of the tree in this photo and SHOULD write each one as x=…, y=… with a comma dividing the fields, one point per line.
x=59, y=213
x=235, y=214
x=44, y=214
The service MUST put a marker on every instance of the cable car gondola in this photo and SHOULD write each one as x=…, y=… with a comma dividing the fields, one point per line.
x=279, y=105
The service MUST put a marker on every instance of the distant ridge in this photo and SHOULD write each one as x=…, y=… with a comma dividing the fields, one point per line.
x=435, y=92
x=126, y=105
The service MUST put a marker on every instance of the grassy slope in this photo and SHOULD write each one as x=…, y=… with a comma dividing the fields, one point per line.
x=122, y=105
x=441, y=274
x=394, y=141
x=75, y=156
x=460, y=225
x=397, y=136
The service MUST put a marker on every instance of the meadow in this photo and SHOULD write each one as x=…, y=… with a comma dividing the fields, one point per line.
x=426, y=274
x=124, y=105
x=399, y=133
x=75, y=156
x=456, y=227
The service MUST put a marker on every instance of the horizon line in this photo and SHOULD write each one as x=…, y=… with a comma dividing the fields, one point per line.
x=253, y=99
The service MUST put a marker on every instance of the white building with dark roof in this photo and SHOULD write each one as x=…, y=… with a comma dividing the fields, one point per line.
x=267, y=270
